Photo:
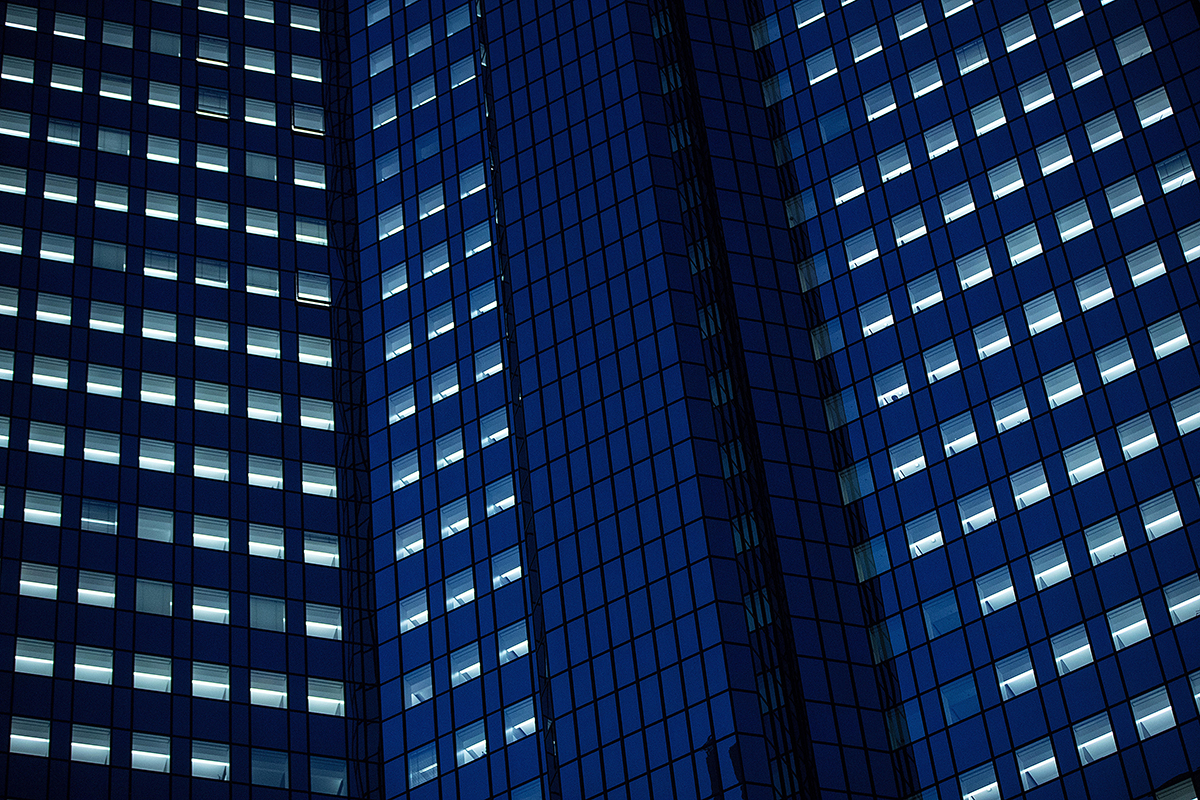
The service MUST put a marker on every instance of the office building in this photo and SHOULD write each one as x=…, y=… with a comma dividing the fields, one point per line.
x=517, y=400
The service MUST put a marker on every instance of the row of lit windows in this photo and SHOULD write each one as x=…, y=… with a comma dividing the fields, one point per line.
x=1041, y=313
x=213, y=463
x=1071, y=221
x=73, y=26
x=425, y=146
x=1094, y=739
x=1113, y=361
x=1126, y=625
x=1029, y=485
x=1081, y=69
x=210, y=333
x=210, y=50
x=1062, y=385
x=209, y=533
x=445, y=383
x=1160, y=516
x=151, y=752
x=454, y=516
x=1136, y=436
x=493, y=426
x=460, y=591
x=909, y=22
x=165, y=205
x=110, y=255
x=1082, y=460
x=1122, y=196
x=212, y=397
x=418, y=39
x=1023, y=244
x=1102, y=131
x=431, y=201
x=436, y=259
x=65, y=188
x=158, y=597
x=986, y=116
x=1050, y=565
x=212, y=681
x=311, y=287
x=210, y=102
x=912, y=20
x=212, y=533
x=470, y=743
x=422, y=91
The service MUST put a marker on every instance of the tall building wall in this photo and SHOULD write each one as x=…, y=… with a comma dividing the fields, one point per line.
x=452, y=582
x=1000, y=209
x=530, y=400
x=177, y=622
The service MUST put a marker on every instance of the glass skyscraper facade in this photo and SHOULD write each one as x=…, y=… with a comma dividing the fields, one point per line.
x=409, y=399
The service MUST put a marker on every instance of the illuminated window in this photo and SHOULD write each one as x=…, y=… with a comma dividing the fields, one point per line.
x=471, y=743
x=210, y=605
x=323, y=622
x=995, y=590
x=1072, y=649
x=1049, y=565
x=1137, y=436
x=924, y=292
x=1084, y=69
x=941, y=361
x=973, y=268
x=210, y=680
x=1168, y=336
x=1062, y=385
x=890, y=385
x=39, y=580
x=958, y=434
x=976, y=510
x=326, y=697
x=210, y=760
x=27, y=736
x=519, y=721
x=422, y=764
x=1094, y=738
x=90, y=744
x=513, y=642
x=268, y=689
x=863, y=44
x=414, y=611
x=151, y=673
x=1183, y=599
x=1153, y=107
x=988, y=116
x=1064, y=11
x=941, y=139
x=1128, y=625
x=924, y=534
x=150, y=752
x=34, y=657
x=1036, y=764
x=1160, y=515
x=1124, y=196
x=879, y=101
